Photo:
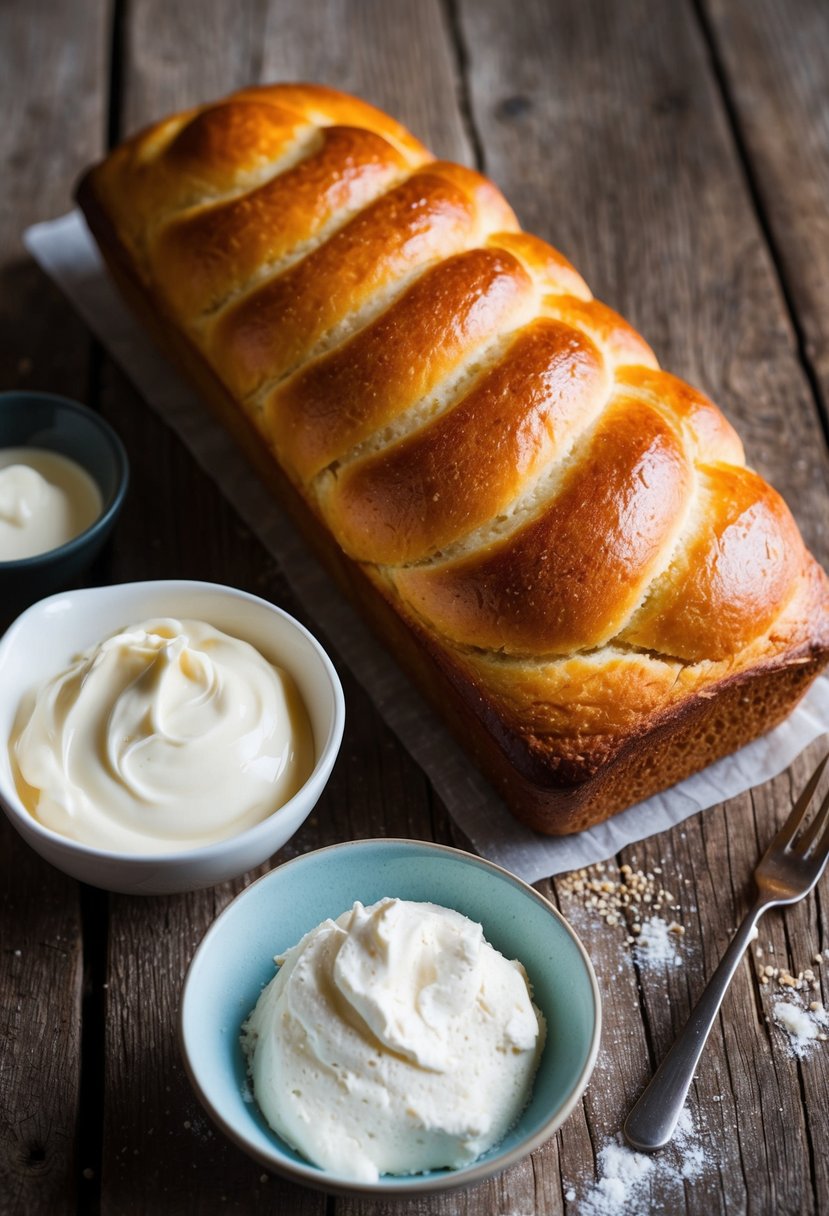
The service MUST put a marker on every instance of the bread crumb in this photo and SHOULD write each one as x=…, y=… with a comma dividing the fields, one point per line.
x=621, y=903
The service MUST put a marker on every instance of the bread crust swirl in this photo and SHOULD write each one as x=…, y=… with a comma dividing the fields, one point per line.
x=571, y=533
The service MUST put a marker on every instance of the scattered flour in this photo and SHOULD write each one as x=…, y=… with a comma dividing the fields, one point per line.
x=200, y=1127
x=656, y=944
x=623, y=1187
x=804, y=1027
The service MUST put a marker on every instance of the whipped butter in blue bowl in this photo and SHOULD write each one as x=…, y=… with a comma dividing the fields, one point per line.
x=347, y=1019
x=63, y=477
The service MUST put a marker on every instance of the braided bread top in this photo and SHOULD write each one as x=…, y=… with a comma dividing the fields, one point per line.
x=498, y=449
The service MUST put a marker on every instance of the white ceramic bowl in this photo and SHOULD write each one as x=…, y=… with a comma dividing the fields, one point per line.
x=48, y=635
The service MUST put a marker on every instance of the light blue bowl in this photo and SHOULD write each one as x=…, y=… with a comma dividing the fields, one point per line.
x=235, y=960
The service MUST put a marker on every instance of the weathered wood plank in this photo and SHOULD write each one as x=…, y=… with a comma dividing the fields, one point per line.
x=42, y=142
x=161, y=1152
x=399, y=57
x=175, y=56
x=176, y=524
x=775, y=57
x=742, y=1086
x=794, y=939
x=753, y=1105
x=624, y=1044
x=604, y=125
x=153, y=1161
x=40, y=1031
x=46, y=62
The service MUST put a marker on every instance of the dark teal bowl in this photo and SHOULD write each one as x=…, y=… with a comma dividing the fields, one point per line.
x=235, y=961
x=44, y=420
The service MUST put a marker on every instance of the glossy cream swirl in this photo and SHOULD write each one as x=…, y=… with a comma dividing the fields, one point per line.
x=171, y=734
x=46, y=499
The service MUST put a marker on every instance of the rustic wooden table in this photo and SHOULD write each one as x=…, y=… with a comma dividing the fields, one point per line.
x=679, y=154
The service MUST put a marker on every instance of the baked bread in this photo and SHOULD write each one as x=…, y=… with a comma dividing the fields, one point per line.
x=560, y=541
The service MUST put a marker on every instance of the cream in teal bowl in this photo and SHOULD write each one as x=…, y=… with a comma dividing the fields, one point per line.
x=235, y=961
x=52, y=424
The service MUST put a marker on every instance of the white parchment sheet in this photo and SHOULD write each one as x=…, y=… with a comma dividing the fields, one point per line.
x=66, y=251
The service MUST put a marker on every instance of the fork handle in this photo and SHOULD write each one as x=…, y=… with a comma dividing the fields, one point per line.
x=652, y=1121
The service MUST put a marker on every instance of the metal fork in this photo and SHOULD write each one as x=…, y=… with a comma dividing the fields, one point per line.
x=786, y=872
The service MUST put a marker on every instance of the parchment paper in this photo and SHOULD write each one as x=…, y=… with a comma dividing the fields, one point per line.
x=66, y=251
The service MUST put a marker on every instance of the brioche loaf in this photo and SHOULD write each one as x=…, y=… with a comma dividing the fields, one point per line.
x=560, y=541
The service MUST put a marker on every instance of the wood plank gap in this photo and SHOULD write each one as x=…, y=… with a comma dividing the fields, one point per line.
x=640, y=993
x=758, y=1000
x=740, y=902
x=593, y=1135
x=257, y=60
x=94, y=376
x=744, y=161
x=95, y=932
x=94, y=904
x=442, y=828
x=743, y=1170
x=755, y=985
x=764, y=1023
x=563, y=1186
x=461, y=56
x=819, y=912
x=643, y=1010
x=117, y=46
x=801, y=1084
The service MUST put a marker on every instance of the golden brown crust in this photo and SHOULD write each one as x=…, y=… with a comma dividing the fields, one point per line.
x=731, y=578
x=326, y=410
x=559, y=540
x=199, y=260
x=274, y=328
x=569, y=579
x=461, y=470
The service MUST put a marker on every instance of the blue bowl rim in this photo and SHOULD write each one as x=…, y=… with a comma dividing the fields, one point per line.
x=206, y=852
x=310, y=1175
x=108, y=515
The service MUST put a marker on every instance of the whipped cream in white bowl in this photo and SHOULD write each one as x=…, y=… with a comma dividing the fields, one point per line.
x=162, y=736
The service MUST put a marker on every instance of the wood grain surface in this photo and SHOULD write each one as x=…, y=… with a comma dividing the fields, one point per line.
x=772, y=63
x=41, y=912
x=678, y=153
